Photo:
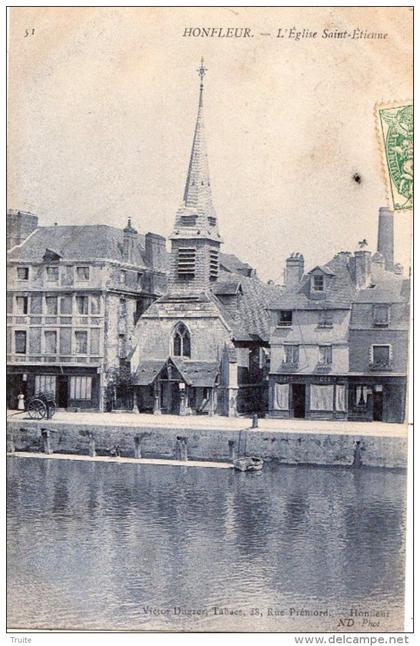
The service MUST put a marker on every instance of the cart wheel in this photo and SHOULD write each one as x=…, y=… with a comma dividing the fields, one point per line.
x=51, y=410
x=37, y=409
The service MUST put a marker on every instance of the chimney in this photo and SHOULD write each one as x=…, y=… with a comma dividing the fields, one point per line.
x=129, y=241
x=294, y=270
x=386, y=236
x=20, y=225
x=155, y=250
x=378, y=266
x=361, y=265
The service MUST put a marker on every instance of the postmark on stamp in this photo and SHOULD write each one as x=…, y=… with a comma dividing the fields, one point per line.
x=395, y=124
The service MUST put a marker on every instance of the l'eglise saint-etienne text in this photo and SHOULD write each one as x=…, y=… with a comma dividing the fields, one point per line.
x=284, y=33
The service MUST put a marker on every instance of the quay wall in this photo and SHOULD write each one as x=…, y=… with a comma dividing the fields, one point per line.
x=208, y=444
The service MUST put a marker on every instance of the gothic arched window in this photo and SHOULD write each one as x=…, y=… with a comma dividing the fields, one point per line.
x=181, y=341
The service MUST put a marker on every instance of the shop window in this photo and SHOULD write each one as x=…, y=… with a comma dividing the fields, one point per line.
x=321, y=397
x=45, y=384
x=284, y=318
x=340, y=398
x=20, y=342
x=361, y=394
x=281, y=397
x=181, y=341
x=81, y=388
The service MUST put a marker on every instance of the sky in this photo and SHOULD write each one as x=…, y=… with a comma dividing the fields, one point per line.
x=102, y=108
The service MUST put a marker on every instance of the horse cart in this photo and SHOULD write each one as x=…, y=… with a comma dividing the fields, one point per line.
x=41, y=406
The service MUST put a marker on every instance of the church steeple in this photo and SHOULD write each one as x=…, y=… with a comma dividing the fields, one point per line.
x=195, y=239
x=196, y=215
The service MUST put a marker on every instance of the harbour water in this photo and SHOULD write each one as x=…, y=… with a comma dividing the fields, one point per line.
x=97, y=546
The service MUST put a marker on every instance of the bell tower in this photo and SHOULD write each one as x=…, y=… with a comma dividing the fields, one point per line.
x=195, y=239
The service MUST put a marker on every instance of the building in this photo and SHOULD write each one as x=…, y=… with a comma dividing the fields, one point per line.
x=202, y=346
x=75, y=294
x=339, y=336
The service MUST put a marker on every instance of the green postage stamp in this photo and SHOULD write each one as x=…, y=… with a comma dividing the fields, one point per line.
x=396, y=133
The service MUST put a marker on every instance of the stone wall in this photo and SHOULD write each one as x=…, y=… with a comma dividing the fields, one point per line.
x=212, y=444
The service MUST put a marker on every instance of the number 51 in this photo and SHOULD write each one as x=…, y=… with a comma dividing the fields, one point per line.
x=29, y=32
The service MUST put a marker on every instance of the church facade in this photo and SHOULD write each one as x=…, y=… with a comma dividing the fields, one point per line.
x=202, y=347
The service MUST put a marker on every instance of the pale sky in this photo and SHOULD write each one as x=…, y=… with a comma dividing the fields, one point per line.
x=102, y=107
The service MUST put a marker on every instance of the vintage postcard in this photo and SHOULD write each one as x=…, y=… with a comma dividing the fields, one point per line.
x=208, y=318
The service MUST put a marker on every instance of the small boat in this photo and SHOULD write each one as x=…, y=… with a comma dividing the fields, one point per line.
x=248, y=464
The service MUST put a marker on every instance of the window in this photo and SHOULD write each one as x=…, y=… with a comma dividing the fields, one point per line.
x=340, y=398
x=139, y=278
x=212, y=221
x=291, y=355
x=123, y=277
x=121, y=346
x=52, y=274
x=123, y=307
x=95, y=304
x=82, y=305
x=22, y=273
x=45, y=384
x=361, y=396
x=181, y=341
x=20, y=342
x=321, y=397
x=186, y=263
x=214, y=264
x=381, y=315
x=80, y=387
x=380, y=356
x=21, y=304
x=281, y=396
x=51, y=304
x=81, y=342
x=325, y=355
x=66, y=304
x=50, y=338
x=82, y=273
x=325, y=318
x=188, y=220
x=284, y=318
x=318, y=283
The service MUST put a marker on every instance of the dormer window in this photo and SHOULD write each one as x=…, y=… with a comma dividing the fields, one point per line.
x=318, y=283
x=212, y=221
x=381, y=315
x=188, y=220
x=284, y=318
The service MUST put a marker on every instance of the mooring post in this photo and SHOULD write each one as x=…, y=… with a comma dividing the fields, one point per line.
x=232, y=449
x=255, y=420
x=137, y=447
x=46, y=445
x=92, y=445
x=181, y=451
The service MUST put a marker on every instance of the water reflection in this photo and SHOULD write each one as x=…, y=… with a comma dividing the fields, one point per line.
x=96, y=546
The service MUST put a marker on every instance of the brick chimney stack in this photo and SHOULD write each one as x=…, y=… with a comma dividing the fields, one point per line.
x=294, y=270
x=129, y=240
x=386, y=236
x=361, y=268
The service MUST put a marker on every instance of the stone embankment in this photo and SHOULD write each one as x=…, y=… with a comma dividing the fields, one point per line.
x=356, y=444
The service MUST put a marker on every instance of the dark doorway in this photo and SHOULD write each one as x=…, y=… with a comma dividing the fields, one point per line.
x=62, y=391
x=298, y=400
x=378, y=406
x=15, y=386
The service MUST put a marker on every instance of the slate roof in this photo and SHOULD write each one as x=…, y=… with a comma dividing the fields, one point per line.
x=391, y=289
x=199, y=373
x=339, y=293
x=77, y=242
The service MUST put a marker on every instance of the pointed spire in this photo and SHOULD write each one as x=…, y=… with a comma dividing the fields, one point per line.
x=197, y=211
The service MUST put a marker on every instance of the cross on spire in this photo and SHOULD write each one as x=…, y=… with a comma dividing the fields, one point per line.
x=202, y=70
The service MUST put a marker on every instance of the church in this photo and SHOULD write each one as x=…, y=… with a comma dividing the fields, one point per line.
x=202, y=348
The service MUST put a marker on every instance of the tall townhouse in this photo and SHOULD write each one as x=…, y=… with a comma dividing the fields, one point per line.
x=75, y=294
